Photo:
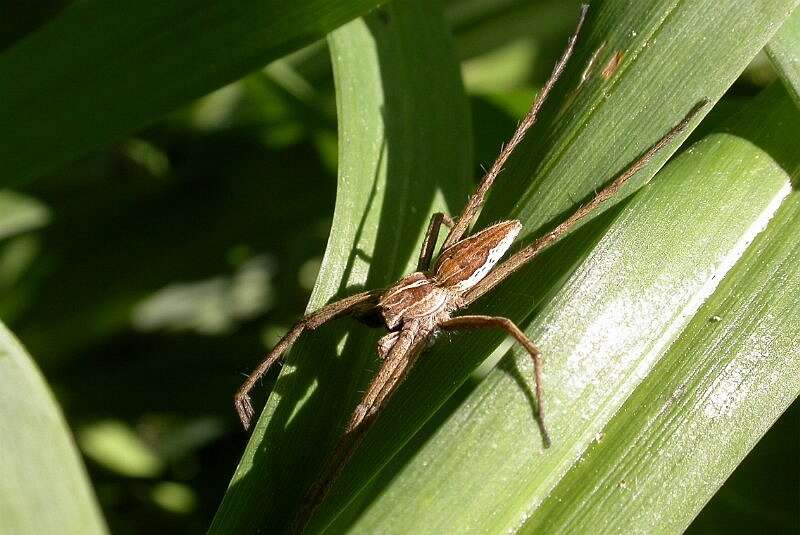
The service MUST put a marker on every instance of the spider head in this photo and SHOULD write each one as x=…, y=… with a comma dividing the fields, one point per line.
x=412, y=297
x=462, y=265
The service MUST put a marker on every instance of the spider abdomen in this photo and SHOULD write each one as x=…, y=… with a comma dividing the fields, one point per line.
x=462, y=265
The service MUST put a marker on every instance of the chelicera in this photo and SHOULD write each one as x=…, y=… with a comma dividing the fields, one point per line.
x=423, y=303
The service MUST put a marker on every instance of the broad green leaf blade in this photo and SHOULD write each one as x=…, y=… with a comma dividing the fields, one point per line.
x=404, y=146
x=601, y=335
x=43, y=485
x=784, y=50
x=587, y=134
x=20, y=213
x=102, y=69
x=729, y=376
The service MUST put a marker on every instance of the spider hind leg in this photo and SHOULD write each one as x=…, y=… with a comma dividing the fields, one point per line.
x=497, y=322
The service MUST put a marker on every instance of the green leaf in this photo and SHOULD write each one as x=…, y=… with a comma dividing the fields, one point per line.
x=585, y=137
x=784, y=50
x=404, y=144
x=707, y=402
x=43, y=484
x=20, y=213
x=102, y=69
x=606, y=331
x=588, y=133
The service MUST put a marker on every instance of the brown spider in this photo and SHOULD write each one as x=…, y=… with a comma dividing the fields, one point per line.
x=422, y=304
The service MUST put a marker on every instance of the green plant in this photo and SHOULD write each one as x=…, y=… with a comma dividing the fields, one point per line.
x=502, y=485
x=667, y=323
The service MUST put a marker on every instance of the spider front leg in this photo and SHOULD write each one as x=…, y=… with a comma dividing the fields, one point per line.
x=475, y=202
x=487, y=322
x=528, y=253
x=359, y=303
x=431, y=235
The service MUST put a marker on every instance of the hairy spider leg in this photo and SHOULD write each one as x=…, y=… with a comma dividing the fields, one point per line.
x=497, y=322
x=527, y=254
x=475, y=202
x=431, y=235
x=359, y=303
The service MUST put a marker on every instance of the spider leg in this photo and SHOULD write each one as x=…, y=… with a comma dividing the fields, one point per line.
x=394, y=370
x=431, y=235
x=527, y=254
x=497, y=322
x=363, y=301
x=475, y=202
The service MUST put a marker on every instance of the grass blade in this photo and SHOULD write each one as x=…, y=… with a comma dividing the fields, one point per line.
x=404, y=153
x=67, y=90
x=586, y=135
x=602, y=333
x=20, y=213
x=43, y=484
x=784, y=50
x=718, y=389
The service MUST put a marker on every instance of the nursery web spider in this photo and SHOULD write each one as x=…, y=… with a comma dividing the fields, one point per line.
x=421, y=304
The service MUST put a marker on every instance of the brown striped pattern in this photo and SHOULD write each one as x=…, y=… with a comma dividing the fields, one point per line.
x=465, y=263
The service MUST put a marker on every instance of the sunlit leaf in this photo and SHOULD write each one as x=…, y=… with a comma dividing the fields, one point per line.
x=394, y=72
x=591, y=130
x=784, y=49
x=611, y=326
x=43, y=484
x=118, y=448
x=600, y=131
x=20, y=213
x=717, y=390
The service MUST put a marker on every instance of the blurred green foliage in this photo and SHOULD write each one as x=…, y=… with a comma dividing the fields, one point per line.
x=148, y=277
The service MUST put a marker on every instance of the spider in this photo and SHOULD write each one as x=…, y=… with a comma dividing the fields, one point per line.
x=423, y=303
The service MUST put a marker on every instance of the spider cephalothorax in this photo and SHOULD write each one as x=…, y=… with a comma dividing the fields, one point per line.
x=420, y=302
x=430, y=296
